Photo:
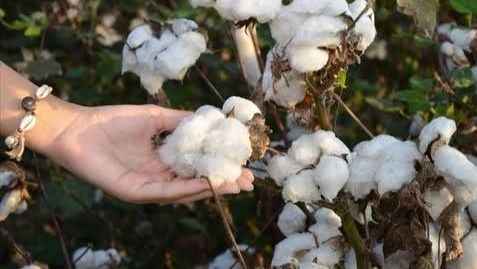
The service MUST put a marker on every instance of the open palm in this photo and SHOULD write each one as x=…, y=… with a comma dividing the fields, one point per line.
x=111, y=147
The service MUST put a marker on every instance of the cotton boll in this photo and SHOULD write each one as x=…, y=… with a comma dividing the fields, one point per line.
x=307, y=58
x=328, y=254
x=202, y=3
x=174, y=62
x=361, y=180
x=401, y=151
x=286, y=251
x=445, y=28
x=447, y=49
x=210, y=113
x=459, y=172
x=473, y=211
x=10, y=202
x=218, y=169
x=139, y=36
x=327, y=225
x=301, y=188
x=229, y=138
x=106, y=259
x=286, y=91
x=440, y=128
x=84, y=258
x=330, y=144
x=240, y=108
x=324, y=7
x=168, y=153
x=184, y=165
x=469, y=259
x=285, y=25
x=331, y=175
x=320, y=31
x=6, y=177
x=366, y=31
x=182, y=26
x=226, y=259
x=311, y=265
x=291, y=220
x=188, y=135
x=437, y=201
x=280, y=167
x=392, y=175
x=240, y=10
x=304, y=151
x=462, y=37
x=372, y=148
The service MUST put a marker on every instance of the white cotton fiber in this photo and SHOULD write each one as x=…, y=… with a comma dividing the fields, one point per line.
x=304, y=151
x=307, y=58
x=331, y=175
x=291, y=220
x=218, y=169
x=440, y=129
x=240, y=108
x=301, y=188
x=281, y=166
x=285, y=252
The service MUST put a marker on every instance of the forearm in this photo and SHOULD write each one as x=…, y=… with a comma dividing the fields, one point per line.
x=53, y=114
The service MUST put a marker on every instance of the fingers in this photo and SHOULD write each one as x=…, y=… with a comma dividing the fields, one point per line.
x=165, y=191
x=166, y=118
x=245, y=181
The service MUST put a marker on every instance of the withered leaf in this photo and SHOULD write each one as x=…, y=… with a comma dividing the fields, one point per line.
x=424, y=13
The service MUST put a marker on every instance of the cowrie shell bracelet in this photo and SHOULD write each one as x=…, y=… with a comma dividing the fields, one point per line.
x=16, y=142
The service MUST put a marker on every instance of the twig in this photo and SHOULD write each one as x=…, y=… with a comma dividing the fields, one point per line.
x=228, y=230
x=209, y=83
x=18, y=249
x=351, y=113
x=58, y=230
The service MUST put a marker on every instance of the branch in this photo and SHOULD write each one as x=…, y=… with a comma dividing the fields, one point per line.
x=350, y=112
x=228, y=230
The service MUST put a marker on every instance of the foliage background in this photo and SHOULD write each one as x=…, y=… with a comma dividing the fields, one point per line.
x=41, y=41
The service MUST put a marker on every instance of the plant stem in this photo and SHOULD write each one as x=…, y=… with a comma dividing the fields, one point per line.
x=228, y=230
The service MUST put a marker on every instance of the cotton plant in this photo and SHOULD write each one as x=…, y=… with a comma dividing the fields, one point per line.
x=86, y=258
x=165, y=55
x=15, y=193
x=312, y=36
x=215, y=143
x=456, y=48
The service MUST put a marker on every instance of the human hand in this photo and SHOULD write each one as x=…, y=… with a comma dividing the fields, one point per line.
x=111, y=148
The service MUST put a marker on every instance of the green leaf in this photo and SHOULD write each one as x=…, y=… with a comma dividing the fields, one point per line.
x=462, y=78
x=415, y=99
x=464, y=6
x=2, y=13
x=69, y=197
x=33, y=31
x=424, y=13
x=340, y=81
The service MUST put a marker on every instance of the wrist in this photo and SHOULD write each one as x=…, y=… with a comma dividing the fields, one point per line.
x=53, y=115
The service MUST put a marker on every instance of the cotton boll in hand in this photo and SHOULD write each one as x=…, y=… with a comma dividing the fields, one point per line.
x=229, y=138
x=218, y=169
x=291, y=220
